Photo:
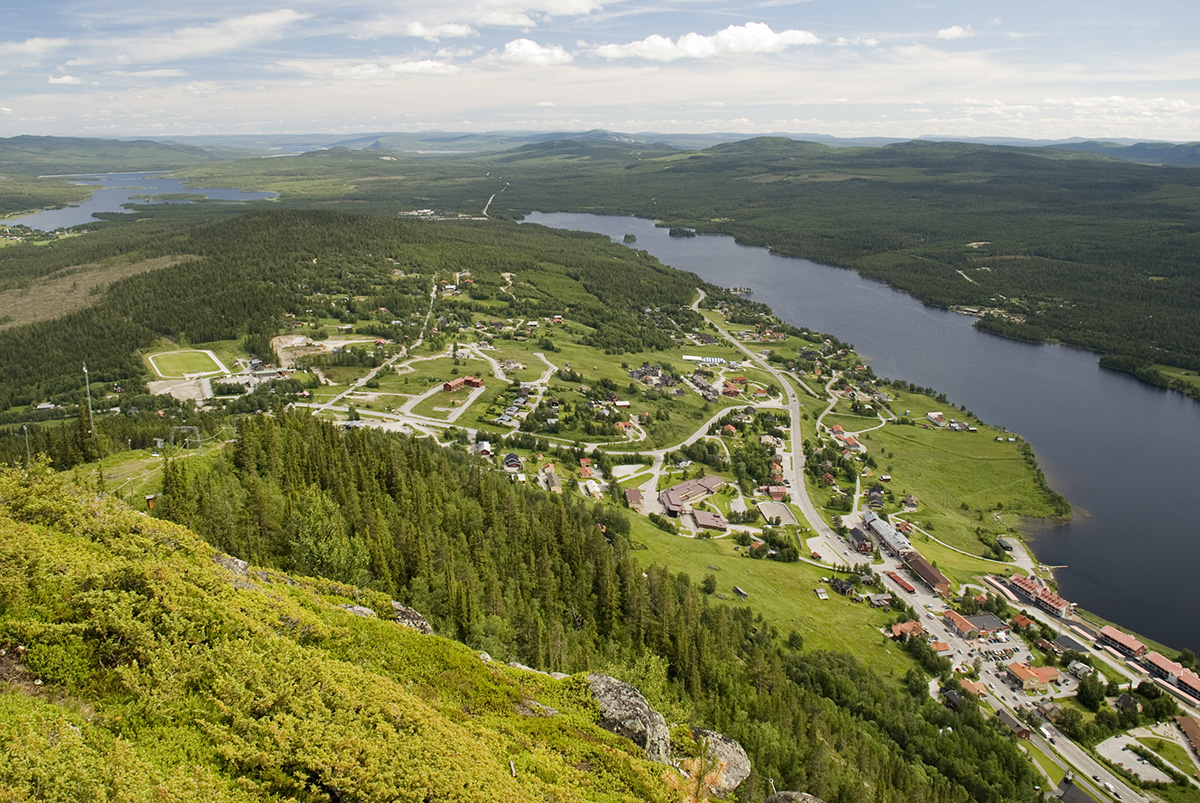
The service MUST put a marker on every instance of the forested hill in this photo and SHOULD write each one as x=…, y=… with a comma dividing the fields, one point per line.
x=32, y=156
x=136, y=668
x=530, y=576
x=1146, y=152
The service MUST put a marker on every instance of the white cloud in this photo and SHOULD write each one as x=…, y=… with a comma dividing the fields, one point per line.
x=31, y=48
x=526, y=51
x=359, y=72
x=547, y=104
x=1119, y=104
x=5, y=110
x=204, y=40
x=202, y=89
x=65, y=79
x=842, y=41
x=164, y=73
x=753, y=37
x=424, y=67
x=955, y=32
x=506, y=19
x=436, y=33
x=548, y=7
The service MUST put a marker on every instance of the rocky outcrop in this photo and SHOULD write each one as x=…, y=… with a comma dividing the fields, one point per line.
x=239, y=568
x=722, y=748
x=359, y=610
x=793, y=797
x=404, y=615
x=625, y=712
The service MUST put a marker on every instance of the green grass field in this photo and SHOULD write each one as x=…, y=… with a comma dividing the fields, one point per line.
x=1171, y=751
x=178, y=363
x=782, y=592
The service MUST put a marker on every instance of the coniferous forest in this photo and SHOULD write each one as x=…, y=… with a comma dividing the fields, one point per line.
x=532, y=577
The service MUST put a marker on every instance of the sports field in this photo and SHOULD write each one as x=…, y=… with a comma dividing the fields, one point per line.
x=185, y=362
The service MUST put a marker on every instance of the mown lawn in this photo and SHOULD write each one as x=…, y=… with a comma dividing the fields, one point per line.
x=782, y=592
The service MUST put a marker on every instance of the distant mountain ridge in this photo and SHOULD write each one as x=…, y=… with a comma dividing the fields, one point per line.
x=450, y=142
x=32, y=155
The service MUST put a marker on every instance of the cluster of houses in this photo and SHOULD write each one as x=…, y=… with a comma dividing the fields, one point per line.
x=652, y=375
x=518, y=405
x=939, y=420
x=1158, y=665
x=847, y=441
x=762, y=335
x=706, y=390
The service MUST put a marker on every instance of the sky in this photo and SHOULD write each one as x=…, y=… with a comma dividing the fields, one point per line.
x=950, y=68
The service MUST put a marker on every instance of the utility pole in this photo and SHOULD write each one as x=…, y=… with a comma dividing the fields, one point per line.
x=88, y=384
x=28, y=460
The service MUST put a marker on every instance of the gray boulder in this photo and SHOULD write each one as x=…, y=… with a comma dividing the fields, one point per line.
x=404, y=615
x=359, y=610
x=722, y=748
x=625, y=712
x=793, y=797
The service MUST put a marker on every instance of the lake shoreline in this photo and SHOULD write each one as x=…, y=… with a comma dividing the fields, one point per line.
x=1127, y=561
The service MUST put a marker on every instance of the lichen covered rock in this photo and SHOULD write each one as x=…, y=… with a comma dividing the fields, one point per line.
x=625, y=712
x=731, y=753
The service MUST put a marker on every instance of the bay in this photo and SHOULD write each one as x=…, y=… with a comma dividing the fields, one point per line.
x=114, y=190
x=1125, y=454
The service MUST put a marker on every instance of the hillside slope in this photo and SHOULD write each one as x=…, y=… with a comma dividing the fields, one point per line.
x=138, y=668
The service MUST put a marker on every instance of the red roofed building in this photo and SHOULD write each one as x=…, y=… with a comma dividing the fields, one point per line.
x=473, y=381
x=454, y=384
x=1021, y=621
x=1032, y=678
x=1174, y=673
x=1122, y=642
x=973, y=687
x=1189, y=681
x=906, y=630
x=957, y=621
x=1053, y=603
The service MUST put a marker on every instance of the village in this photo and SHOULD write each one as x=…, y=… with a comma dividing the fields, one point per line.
x=729, y=441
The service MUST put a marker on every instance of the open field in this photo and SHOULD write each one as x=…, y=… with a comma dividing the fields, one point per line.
x=1170, y=750
x=1171, y=372
x=782, y=592
x=958, y=567
x=180, y=363
x=961, y=479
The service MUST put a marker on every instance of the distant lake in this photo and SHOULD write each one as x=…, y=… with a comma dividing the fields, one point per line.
x=114, y=190
x=1124, y=453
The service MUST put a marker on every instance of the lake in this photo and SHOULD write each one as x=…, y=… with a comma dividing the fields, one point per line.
x=114, y=190
x=1124, y=453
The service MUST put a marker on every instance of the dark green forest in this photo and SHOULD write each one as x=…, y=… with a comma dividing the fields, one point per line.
x=555, y=583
